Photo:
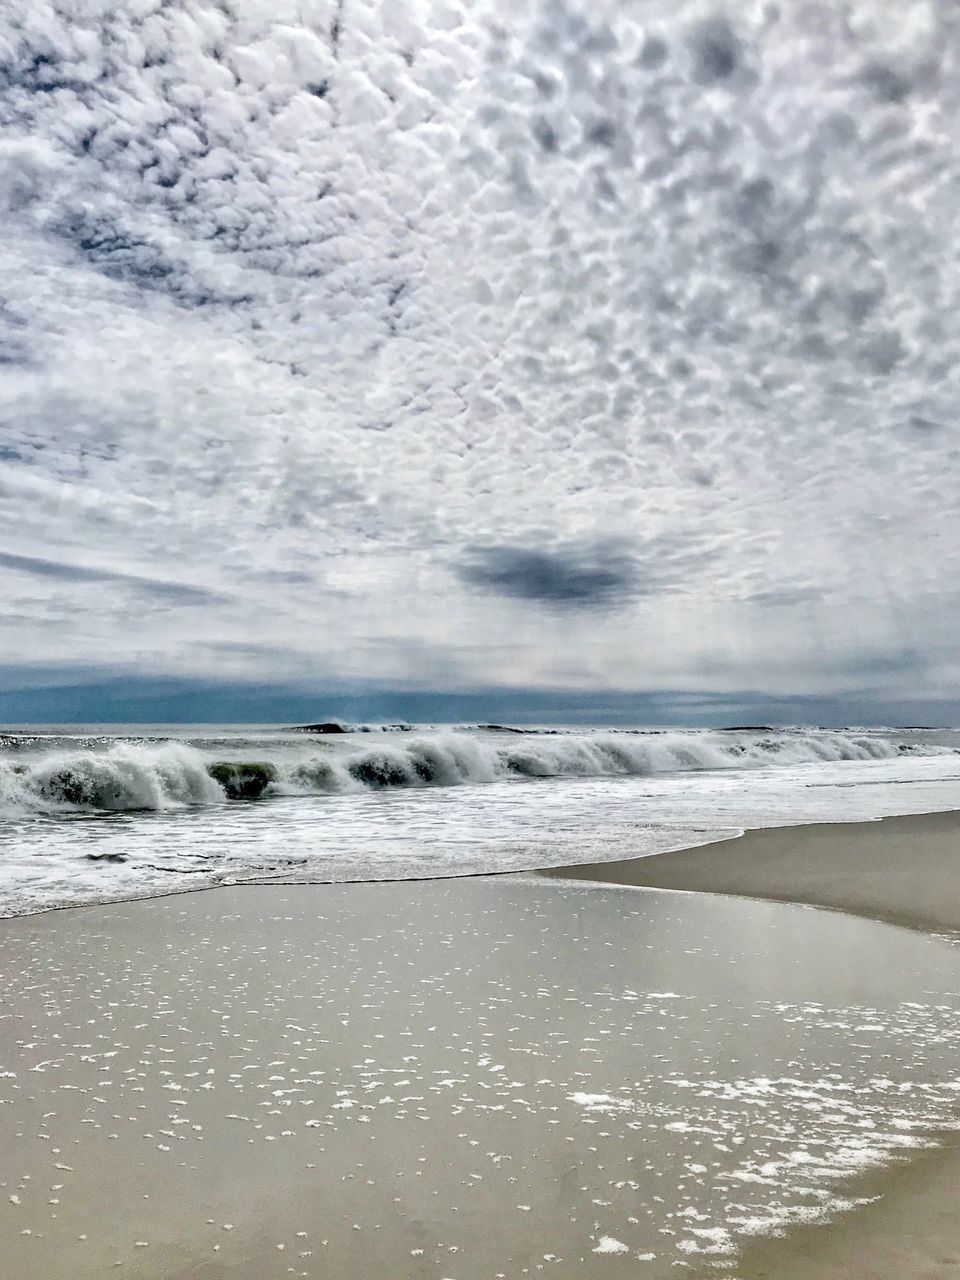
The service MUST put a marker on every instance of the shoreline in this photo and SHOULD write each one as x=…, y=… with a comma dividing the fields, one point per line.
x=680, y=864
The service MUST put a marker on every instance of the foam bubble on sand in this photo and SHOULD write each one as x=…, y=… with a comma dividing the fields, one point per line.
x=608, y=1244
x=710, y=1240
x=689, y=1156
x=602, y=1102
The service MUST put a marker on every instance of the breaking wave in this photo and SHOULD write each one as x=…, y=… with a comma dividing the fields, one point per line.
x=126, y=777
x=136, y=776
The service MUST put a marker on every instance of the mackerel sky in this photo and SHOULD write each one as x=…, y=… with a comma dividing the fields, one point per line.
x=537, y=344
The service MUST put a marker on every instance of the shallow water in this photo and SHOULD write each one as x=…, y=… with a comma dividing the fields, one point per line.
x=456, y=1080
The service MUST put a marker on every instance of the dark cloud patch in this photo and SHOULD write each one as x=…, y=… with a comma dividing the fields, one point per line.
x=885, y=83
x=785, y=597
x=571, y=577
x=32, y=71
x=13, y=351
x=171, y=593
x=336, y=28
x=545, y=134
x=654, y=53
x=603, y=133
x=123, y=255
x=599, y=574
x=115, y=251
x=925, y=426
x=715, y=50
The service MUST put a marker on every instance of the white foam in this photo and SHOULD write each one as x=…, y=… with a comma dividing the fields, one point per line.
x=127, y=776
x=411, y=806
x=608, y=1244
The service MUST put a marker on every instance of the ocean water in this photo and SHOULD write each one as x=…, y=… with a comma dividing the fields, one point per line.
x=90, y=813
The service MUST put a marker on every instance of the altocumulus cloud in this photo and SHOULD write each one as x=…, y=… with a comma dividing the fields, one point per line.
x=382, y=333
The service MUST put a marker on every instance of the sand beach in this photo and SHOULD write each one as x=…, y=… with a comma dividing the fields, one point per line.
x=903, y=869
x=491, y=1077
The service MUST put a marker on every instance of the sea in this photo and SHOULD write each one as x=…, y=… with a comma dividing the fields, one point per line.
x=95, y=813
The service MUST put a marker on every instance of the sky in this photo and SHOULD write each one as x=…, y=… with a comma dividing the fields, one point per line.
x=541, y=353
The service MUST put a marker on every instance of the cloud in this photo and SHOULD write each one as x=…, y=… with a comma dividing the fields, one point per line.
x=168, y=592
x=395, y=320
x=573, y=577
x=715, y=51
x=607, y=574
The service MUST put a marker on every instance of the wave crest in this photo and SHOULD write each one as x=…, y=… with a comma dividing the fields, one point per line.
x=143, y=776
x=128, y=777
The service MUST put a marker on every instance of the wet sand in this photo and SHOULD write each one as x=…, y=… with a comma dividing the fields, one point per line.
x=905, y=870
x=909, y=1231
x=482, y=1079
x=451, y=1080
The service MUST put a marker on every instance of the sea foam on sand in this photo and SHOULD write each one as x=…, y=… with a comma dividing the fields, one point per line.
x=486, y=1071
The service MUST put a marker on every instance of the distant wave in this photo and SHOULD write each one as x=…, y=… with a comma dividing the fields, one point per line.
x=339, y=727
x=129, y=776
